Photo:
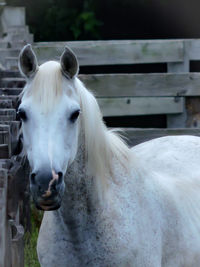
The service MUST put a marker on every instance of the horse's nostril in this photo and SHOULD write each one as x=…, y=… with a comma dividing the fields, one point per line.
x=60, y=176
x=33, y=178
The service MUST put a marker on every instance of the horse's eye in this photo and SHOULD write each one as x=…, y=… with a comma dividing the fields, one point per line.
x=22, y=114
x=74, y=115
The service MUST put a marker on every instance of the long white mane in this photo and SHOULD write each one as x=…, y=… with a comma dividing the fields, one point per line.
x=101, y=145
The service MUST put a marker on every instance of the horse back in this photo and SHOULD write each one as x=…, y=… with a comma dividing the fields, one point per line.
x=172, y=165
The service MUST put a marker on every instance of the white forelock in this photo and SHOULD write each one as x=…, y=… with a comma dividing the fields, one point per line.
x=46, y=86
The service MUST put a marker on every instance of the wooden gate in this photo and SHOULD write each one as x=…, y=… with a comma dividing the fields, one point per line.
x=13, y=187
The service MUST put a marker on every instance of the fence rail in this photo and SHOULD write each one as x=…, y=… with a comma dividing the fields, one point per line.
x=123, y=51
x=91, y=53
x=152, y=84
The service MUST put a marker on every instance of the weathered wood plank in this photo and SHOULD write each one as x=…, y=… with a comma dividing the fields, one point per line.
x=140, y=106
x=13, y=98
x=10, y=73
x=156, y=84
x=5, y=260
x=115, y=52
x=7, y=115
x=4, y=137
x=5, y=103
x=159, y=84
x=7, y=111
x=10, y=91
x=179, y=121
x=4, y=151
x=9, y=134
x=9, y=97
x=14, y=136
x=181, y=66
x=6, y=118
x=8, y=122
x=4, y=127
x=14, y=82
x=4, y=163
x=136, y=136
x=194, y=48
x=17, y=186
x=17, y=243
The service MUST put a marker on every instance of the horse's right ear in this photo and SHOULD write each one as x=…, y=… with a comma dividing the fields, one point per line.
x=28, y=65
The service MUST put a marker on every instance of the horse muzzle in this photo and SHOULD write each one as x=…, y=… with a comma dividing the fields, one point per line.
x=47, y=189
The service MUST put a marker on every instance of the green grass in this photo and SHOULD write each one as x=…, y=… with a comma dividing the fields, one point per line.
x=30, y=253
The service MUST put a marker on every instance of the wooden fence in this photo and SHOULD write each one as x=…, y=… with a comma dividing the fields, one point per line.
x=13, y=186
x=175, y=93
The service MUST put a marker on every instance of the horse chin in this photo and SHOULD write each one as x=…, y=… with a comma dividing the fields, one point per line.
x=48, y=207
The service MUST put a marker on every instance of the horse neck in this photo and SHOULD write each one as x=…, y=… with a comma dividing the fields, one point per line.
x=79, y=201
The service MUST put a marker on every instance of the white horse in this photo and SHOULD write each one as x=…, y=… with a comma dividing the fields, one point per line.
x=120, y=207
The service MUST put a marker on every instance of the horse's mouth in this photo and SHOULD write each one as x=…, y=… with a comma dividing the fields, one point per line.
x=47, y=207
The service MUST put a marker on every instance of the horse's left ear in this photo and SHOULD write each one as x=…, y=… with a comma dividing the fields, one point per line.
x=27, y=62
x=69, y=63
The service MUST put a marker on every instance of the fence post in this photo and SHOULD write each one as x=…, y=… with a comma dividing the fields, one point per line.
x=5, y=235
x=17, y=242
x=179, y=120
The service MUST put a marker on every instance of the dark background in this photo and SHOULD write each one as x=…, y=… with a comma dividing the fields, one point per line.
x=69, y=20
x=64, y=20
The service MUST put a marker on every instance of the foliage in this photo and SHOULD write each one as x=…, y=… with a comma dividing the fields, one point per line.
x=61, y=20
x=30, y=253
x=85, y=25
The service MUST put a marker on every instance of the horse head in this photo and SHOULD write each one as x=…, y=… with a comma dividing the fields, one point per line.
x=49, y=112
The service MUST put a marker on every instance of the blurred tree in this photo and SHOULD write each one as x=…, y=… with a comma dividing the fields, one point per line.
x=53, y=20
